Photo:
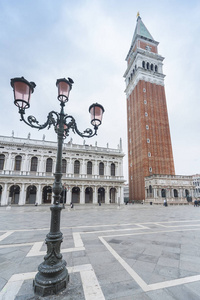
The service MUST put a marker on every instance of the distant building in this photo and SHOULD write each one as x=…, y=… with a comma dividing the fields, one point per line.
x=91, y=174
x=196, y=183
x=173, y=188
x=149, y=141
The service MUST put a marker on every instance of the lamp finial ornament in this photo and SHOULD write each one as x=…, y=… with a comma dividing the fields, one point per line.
x=138, y=14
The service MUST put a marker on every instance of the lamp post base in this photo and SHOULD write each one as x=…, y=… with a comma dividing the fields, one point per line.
x=50, y=281
x=52, y=276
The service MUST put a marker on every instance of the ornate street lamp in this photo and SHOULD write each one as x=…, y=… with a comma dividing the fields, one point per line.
x=52, y=276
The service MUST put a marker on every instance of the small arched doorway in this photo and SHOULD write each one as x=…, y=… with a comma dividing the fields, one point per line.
x=150, y=191
x=31, y=194
x=112, y=195
x=175, y=193
x=163, y=193
x=101, y=195
x=186, y=193
x=14, y=194
x=76, y=195
x=88, y=195
x=47, y=194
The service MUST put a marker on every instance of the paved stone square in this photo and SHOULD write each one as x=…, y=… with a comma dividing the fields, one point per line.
x=131, y=252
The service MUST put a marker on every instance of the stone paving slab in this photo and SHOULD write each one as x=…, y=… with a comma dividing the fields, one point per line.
x=133, y=252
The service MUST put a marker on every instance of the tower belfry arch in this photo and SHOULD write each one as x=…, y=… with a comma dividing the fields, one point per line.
x=149, y=141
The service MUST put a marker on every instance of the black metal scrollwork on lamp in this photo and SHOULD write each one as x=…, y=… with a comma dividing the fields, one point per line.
x=52, y=276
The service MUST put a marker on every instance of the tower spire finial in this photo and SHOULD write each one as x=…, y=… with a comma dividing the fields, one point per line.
x=138, y=14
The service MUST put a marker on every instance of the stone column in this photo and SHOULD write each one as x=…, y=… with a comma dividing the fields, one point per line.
x=22, y=196
x=40, y=168
x=121, y=195
x=96, y=169
x=95, y=195
x=39, y=195
x=83, y=168
x=4, y=196
x=24, y=164
x=180, y=193
x=54, y=165
x=118, y=169
x=69, y=196
x=107, y=170
x=117, y=196
x=27, y=166
x=82, y=195
x=107, y=198
x=155, y=193
x=172, y=194
x=8, y=163
x=70, y=169
x=146, y=194
x=120, y=172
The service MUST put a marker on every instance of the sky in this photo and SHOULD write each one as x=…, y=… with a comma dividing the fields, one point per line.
x=88, y=40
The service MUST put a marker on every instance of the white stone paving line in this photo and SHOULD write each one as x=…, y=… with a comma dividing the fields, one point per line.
x=5, y=235
x=142, y=226
x=152, y=232
x=35, y=250
x=137, y=278
x=76, y=227
x=133, y=274
x=16, y=245
x=176, y=226
x=78, y=243
x=112, y=230
x=91, y=287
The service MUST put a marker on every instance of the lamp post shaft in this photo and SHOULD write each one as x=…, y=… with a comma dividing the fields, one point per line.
x=53, y=275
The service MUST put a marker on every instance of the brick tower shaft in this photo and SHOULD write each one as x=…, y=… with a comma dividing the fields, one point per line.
x=149, y=141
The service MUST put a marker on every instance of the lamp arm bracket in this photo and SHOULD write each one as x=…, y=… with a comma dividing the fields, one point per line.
x=72, y=124
x=33, y=122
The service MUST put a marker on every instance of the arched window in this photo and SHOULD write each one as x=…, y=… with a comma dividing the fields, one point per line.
x=64, y=166
x=101, y=168
x=156, y=68
x=76, y=167
x=18, y=160
x=2, y=159
x=112, y=169
x=89, y=167
x=151, y=67
x=49, y=165
x=143, y=64
x=150, y=189
x=147, y=66
x=34, y=163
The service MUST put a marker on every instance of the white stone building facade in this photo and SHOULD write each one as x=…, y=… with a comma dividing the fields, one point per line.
x=91, y=174
x=173, y=188
x=196, y=183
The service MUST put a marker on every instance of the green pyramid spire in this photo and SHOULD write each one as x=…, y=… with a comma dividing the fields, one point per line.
x=141, y=30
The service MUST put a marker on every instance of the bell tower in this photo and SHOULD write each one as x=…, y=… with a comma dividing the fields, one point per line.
x=149, y=141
